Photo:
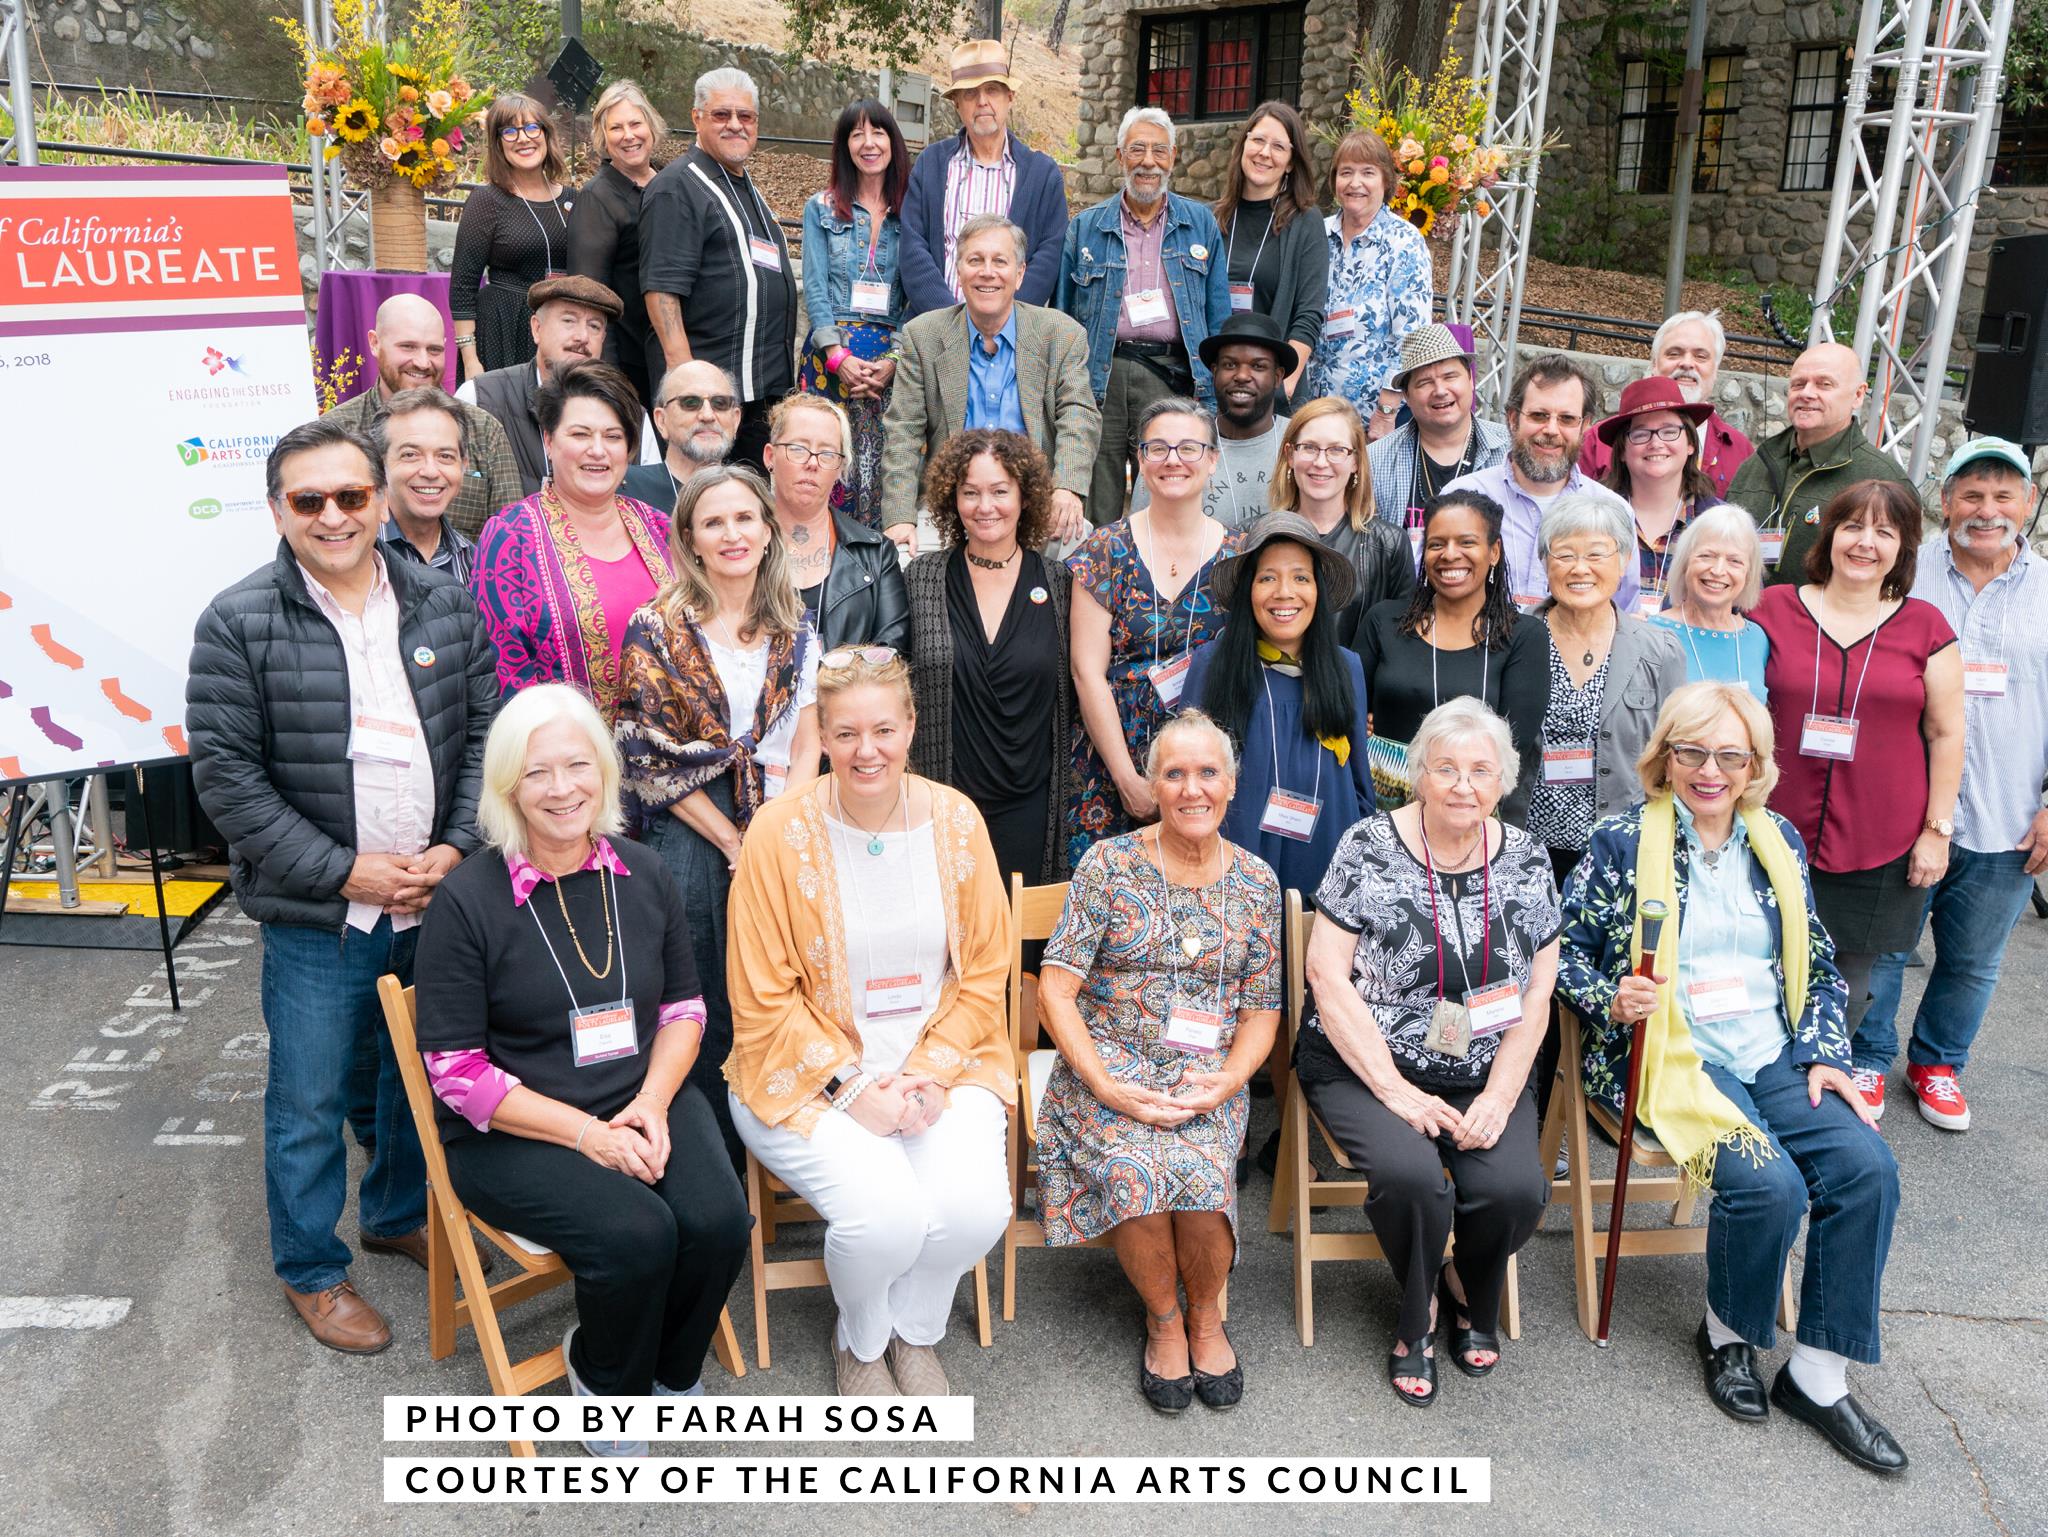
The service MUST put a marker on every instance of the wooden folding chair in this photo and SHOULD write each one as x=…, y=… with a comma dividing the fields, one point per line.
x=1299, y=1190
x=1570, y=1108
x=451, y=1247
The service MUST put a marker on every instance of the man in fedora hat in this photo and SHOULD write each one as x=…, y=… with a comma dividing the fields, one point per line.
x=1442, y=438
x=570, y=315
x=1687, y=350
x=1248, y=357
x=982, y=169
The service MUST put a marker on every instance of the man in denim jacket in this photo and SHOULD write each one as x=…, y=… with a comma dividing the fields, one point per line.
x=1142, y=273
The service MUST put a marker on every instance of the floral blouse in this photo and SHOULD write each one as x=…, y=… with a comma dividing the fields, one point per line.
x=1600, y=918
x=1383, y=277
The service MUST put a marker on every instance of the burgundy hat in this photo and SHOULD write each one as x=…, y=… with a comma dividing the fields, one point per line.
x=1656, y=393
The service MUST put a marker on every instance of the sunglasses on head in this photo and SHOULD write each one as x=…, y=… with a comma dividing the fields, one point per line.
x=846, y=656
x=309, y=504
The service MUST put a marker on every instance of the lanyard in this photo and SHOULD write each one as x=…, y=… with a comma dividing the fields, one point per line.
x=1700, y=667
x=1173, y=923
x=1230, y=249
x=767, y=219
x=1194, y=581
x=1485, y=659
x=1664, y=555
x=531, y=907
x=1485, y=914
x=1273, y=727
x=1861, y=677
x=916, y=914
x=1427, y=481
x=546, y=243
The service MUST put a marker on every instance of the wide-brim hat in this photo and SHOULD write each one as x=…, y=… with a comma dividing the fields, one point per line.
x=577, y=289
x=1656, y=393
x=1336, y=579
x=1247, y=326
x=984, y=61
x=1427, y=345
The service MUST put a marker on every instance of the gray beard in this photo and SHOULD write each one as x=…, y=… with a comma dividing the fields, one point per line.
x=703, y=455
x=2011, y=538
x=1131, y=192
x=1542, y=474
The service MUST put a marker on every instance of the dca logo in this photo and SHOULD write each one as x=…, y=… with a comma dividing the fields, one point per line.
x=206, y=507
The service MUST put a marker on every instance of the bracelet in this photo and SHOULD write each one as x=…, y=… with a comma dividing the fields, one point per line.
x=584, y=1128
x=857, y=1086
x=835, y=357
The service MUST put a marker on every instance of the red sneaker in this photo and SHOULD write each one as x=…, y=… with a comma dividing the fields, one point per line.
x=1871, y=1086
x=1941, y=1097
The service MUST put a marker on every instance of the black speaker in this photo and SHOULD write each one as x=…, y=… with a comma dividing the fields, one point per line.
x=2009, y=371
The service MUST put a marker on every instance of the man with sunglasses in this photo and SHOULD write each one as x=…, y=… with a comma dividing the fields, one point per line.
x=337, y=708
x=697, y=407
x=714, y=263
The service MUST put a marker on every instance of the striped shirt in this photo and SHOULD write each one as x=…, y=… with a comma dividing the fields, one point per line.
x=973, y=188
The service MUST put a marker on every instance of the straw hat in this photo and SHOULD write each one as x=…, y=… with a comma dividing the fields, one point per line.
x=983, y=61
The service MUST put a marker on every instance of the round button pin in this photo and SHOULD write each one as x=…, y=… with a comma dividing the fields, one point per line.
x=423, y=656
x=1039, y=595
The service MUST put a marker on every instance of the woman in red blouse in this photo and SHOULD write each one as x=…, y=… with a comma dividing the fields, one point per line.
x=1866, y=689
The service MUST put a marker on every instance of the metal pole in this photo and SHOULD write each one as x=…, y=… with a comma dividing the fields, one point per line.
x=1685, y=152
x=885, y=88
x=1848, y=159
x=316, y=156
x=1539, y=89
x=21, y=100
x=1898, y=149
x=156, y=879
x=17, y=812
x=572, y=19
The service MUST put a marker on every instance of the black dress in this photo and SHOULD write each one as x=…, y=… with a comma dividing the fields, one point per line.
x=604, y=243
x=1004, y=694
x=503, y=246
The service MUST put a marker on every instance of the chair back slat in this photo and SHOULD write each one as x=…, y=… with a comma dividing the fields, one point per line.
x=1295, y=938
x=1034, y=914
x=399, y=1006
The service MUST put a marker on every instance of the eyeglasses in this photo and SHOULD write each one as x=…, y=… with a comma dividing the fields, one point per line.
x=1187, y=450
x=802, y=453
x=310, y=504
x=1733, y=760
x=1447, y=775
x=520, y=131
x=846, y=656
x=1336, y=453
x=698, y=402
x=1671, y=432
x=1564, y=419
x=744, y=116
x=1593, y=557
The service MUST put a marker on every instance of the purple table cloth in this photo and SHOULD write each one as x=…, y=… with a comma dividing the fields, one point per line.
x=348, y=309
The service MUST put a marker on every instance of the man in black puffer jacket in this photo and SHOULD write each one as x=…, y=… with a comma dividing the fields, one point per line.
x=337, y=709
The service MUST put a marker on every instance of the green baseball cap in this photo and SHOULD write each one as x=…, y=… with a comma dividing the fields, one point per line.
x=1989, y=448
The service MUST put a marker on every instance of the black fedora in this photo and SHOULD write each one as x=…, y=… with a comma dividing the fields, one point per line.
x=1248, y=326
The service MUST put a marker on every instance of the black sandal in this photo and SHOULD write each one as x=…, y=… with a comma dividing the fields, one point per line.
x=1413, y=1363
x=1169, y=1395
x=1465, y=1341
x=1223, y=1390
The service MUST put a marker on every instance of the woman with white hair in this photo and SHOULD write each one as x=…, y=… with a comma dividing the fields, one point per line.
x=604, y=227
x=1431, y=962
x=1717, y=575
x=847, y=574
x=559, y=1015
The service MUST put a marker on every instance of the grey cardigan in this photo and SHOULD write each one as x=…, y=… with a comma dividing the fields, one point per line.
x=1644, y=665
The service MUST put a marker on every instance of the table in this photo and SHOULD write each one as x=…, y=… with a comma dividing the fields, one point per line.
x=348, y=309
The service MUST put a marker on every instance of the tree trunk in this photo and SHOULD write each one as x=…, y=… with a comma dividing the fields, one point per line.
x=1057, y=32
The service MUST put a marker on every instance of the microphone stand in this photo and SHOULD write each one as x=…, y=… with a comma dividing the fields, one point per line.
x=1653, y=914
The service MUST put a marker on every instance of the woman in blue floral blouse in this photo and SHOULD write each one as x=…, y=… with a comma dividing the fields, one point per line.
x=1745, y=1058
x=1380, y=280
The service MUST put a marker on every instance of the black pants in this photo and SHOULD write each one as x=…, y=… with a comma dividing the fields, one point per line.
x=653, y=1263
x=1543, y=1071
x=1493, y=1199
x=752, y=435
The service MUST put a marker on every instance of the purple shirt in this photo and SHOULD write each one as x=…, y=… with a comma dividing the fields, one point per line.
x=1144, y=274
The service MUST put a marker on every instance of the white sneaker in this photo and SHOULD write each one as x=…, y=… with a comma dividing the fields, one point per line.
x=1870, y=1085
x=577, y=1386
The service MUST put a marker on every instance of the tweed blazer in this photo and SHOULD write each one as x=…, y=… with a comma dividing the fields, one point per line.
x=928, y=401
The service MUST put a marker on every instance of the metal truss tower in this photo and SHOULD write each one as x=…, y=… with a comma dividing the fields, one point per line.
x=335, y=200
x=19, y=146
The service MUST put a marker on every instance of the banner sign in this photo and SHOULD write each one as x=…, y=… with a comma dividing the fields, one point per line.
x=152, y=349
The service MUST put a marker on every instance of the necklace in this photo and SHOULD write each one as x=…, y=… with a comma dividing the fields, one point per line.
x=1422, y=830
x=875, y=844
x=1190, y=937
x=604, y=897
x=1585, y=660
x=991, y=565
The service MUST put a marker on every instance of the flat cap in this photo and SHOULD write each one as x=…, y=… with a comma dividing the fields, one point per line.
x=577, y=290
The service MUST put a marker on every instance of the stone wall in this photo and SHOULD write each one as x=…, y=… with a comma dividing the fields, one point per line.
x=120, y=42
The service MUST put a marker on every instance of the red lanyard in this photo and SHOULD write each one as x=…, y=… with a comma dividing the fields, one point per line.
x=1485, y=913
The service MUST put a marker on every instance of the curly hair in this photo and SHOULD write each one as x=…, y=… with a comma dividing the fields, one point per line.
x=1017, y=454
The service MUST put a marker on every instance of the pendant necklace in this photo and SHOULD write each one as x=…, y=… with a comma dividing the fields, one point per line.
x=875, y=844
x=1190, y=937
x=990, y=565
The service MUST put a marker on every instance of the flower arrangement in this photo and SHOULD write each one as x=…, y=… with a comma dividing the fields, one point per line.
x=392, y=111
x=1433, y=128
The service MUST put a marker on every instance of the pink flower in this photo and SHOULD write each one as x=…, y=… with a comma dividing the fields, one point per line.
x=455, y=138
x=1437, y=161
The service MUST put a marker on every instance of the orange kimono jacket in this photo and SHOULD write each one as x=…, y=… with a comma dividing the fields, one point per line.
x=786, y=938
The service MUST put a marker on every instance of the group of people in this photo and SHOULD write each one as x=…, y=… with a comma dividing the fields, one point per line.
x=760, y=774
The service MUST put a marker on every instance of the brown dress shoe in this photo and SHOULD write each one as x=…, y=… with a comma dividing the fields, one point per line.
x=412, y=1246
x=341, y=1320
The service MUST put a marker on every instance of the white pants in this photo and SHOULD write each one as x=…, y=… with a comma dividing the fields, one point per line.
x=905, y=1217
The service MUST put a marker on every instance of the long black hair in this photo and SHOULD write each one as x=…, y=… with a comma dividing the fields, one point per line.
x=846, y=175
x=1234, y=687
x=1495, y=621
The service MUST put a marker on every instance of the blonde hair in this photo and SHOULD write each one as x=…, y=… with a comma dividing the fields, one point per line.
x=776, y=609
x=1187, y=720
x=798, y=400
x=498, y=816
x=1283, y=495
x=1727, y=523
x=1691, y=710
x=625, y=93
x=856, y=671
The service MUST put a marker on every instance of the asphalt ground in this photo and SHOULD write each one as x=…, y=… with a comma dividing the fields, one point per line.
x=207, y=1408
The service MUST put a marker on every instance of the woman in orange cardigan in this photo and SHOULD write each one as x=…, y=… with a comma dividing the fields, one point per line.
x=868, y=952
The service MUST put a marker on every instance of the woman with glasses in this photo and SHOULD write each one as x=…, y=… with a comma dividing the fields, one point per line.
x=1142, y=605
x=514, y=231
x=853, y=292
x=871, y=1065
x=1273, y=244
x=1323, y=475
x=1431, y=964
x=604, y=228
x=717, y=715
x=1654, y=440
x=846, y=573
x=1717, y=576
x=1745, y=1059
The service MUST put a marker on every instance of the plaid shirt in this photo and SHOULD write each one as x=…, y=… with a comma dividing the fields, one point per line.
x=1392, y=463
x=490, y=479
x=973, y=188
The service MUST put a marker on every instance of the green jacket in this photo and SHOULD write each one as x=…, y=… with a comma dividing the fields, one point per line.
x=1781, y=487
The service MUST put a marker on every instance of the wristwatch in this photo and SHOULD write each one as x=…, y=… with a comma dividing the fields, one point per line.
x=1946, y=826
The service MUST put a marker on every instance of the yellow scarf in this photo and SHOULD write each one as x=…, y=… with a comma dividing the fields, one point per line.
x=1268, y=652
x=1691, y=1117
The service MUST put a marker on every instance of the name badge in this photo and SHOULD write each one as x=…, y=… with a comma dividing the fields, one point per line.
x=1828, y=736
x=1339, y=323
x=603, y=1032
x=1194, y=1029
x=1290, y=815
x=773, y=777
x=1772, y=541
x=1450, y=1029
x=869, y=297
x=1649, y=604
x=1169, y=678
x=1240, y=298
x=1717, y=998
x=1147, y=308
x=1984, y=680
x=1494, y=1007
x=1568, y=765
x=892, y=997
x=766, y=253
x=382, y=741
x=1415, y=545
x=1529, y=602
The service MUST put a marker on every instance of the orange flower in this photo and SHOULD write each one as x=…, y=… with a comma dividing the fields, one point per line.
x=408, y=93
x=459, y=89
x=440, y=103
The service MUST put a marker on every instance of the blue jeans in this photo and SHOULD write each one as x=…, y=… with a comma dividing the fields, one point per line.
x=319, y=1003
x=1972, y=913
x=1831, y=1169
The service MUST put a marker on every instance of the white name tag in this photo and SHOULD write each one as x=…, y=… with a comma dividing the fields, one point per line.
x=1169, y=678
x=1567, y=765
x=1828, y=736
x=382, y=741
x=1718, y=998
x=604, y=1031
x=1529, y=602
x=1649, y=604
x=1495, y=1007
x=1193, y=1029
x=870, y=298
x=1415, y=545
x=1984, y=680
x=1772, y=541
x=891, y=997
x=766, y=253
x=1147, y=308
x=1240, y=298
x=773, y=777
x=1290, y=815
x=1340, y=323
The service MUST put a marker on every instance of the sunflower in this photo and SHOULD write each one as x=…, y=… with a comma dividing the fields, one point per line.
x=356, y=121
x=1421, y=215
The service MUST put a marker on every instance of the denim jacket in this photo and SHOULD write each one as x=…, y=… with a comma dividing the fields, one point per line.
x=835, y=251
x=1091, y=285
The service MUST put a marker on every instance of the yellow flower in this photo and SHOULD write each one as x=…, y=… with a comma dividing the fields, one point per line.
x=408, y=93
x=1422, y=217
x=332, y=151
x=441, y=148
x=356, y=121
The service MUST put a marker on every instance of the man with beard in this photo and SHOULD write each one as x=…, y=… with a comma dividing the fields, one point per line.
x=1248, y=357
x=1994, y=592
x=409, y=348
x=697, y=406
x=1442, y=438
x=1138, y=272
x=1687, y=350
x=420, y=438
x=1551, y=403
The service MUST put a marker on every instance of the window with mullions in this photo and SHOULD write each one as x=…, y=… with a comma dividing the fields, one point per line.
x=2022, y=149
x=1649, y=124
x=1813, y=121
x=1220, y=64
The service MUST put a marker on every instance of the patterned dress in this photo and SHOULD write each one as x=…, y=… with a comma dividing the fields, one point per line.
x=1144, y=628
x=1561, y=815
x=1121, y=932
